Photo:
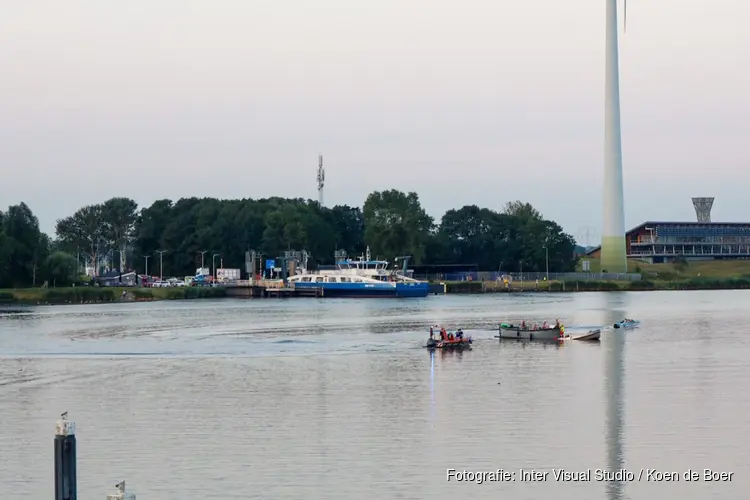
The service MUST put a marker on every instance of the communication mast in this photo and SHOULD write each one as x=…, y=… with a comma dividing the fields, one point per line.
x=321, y=179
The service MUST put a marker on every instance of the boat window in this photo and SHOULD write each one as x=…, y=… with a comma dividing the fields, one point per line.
x=331, y=280
x=318, y=280
x=357, y=280
x=307, y=279
x=344, y=280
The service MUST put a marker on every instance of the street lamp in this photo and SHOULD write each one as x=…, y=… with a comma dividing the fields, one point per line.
x=147, y=257
x=213, y=263
x=161, y=264
x=546, y=261
x=203, y=252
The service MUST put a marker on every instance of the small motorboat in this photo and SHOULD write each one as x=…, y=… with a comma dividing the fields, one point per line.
x=627, y=323
x=591, y=335
x=448, y=344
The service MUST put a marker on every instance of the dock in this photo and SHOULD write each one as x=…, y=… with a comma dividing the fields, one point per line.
x=268, y=289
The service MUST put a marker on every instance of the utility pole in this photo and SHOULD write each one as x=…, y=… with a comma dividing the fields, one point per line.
x=161, y=264
x=147, y=257
x=213, y=263
x=203, y=252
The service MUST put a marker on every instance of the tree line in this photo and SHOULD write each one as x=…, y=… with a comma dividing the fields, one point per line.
x=117, y=234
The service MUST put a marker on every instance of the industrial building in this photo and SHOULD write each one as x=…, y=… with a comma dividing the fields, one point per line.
x=659, y=242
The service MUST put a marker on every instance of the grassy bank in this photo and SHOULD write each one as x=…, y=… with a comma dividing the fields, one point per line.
x=97, y=295
x=707, y=269
x=695, y=283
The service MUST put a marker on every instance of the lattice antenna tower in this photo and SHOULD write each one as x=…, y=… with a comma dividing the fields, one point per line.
x=703, y=208
x=321, y=179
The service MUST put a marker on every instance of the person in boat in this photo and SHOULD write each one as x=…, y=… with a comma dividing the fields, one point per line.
x=523, y=324
x=545, y=325
x=443, y=334
x=459, y=334
x=557, y=323
x=432, y=334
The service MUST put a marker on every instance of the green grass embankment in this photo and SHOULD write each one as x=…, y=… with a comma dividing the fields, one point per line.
x=98, y=295
x=695, y=283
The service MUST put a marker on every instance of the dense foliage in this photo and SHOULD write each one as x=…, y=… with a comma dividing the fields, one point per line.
x=391, y=223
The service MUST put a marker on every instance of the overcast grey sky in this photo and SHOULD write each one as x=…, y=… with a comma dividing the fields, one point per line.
x=465, y=102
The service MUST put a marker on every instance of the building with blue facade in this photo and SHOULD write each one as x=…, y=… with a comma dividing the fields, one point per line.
x=658, y=242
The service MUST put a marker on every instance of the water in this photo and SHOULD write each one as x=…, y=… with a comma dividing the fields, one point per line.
x=334, y=399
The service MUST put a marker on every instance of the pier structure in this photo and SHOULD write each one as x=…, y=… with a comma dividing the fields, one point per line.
x=613, y=248
x=257, y=287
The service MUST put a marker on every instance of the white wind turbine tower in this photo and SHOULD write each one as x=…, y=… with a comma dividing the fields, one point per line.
x=613, y=254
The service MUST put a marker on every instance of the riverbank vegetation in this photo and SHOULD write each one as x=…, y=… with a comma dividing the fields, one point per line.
x=682, y=269
x=97, y=295
x=694, y=283
x=392, y=223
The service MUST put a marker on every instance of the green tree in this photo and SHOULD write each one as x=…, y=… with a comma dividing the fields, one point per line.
x=119, y=216
x=521, y=210
x=149, y=228
x=396, y=224
x=348, y=223
x=61, y=269
x=391, y=222
x=472, y=235
x=25, y=247
x=84, y=232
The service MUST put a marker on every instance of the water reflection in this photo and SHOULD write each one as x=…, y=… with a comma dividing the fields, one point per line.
x=614, y=310
x=432, y=387
x=344, y=414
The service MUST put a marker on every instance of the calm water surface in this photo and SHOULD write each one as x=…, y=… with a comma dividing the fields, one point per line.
x=335, y=399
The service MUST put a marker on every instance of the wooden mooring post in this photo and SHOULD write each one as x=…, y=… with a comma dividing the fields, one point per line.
x=66, y=481
x=66, y=486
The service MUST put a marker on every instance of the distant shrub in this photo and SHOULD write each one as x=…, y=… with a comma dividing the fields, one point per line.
x=715, y=284
x=142, y=293
x=641, y=285
x=189, y=292
x=7, y=297
x=77, y=294
x=463, y=287
x=591, y=286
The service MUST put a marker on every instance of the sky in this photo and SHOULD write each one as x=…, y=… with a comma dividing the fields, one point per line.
x=470, y=102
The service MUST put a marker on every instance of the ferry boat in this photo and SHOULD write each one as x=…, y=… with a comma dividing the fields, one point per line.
x=361, y=278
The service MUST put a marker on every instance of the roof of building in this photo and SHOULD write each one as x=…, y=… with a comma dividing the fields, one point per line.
x=114, y=274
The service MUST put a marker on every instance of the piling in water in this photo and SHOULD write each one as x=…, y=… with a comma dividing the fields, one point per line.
x=121, y=494
x=66, y=487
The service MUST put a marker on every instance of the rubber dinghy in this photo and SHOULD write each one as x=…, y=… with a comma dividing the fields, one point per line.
x=627, y=323
x=448, y=344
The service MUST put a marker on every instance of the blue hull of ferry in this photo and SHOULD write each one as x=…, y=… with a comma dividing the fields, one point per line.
x=369, y=289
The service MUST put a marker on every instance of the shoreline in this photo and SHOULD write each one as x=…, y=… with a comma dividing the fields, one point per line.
x=573, y=286
x=110, y=295
x=104, y=295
